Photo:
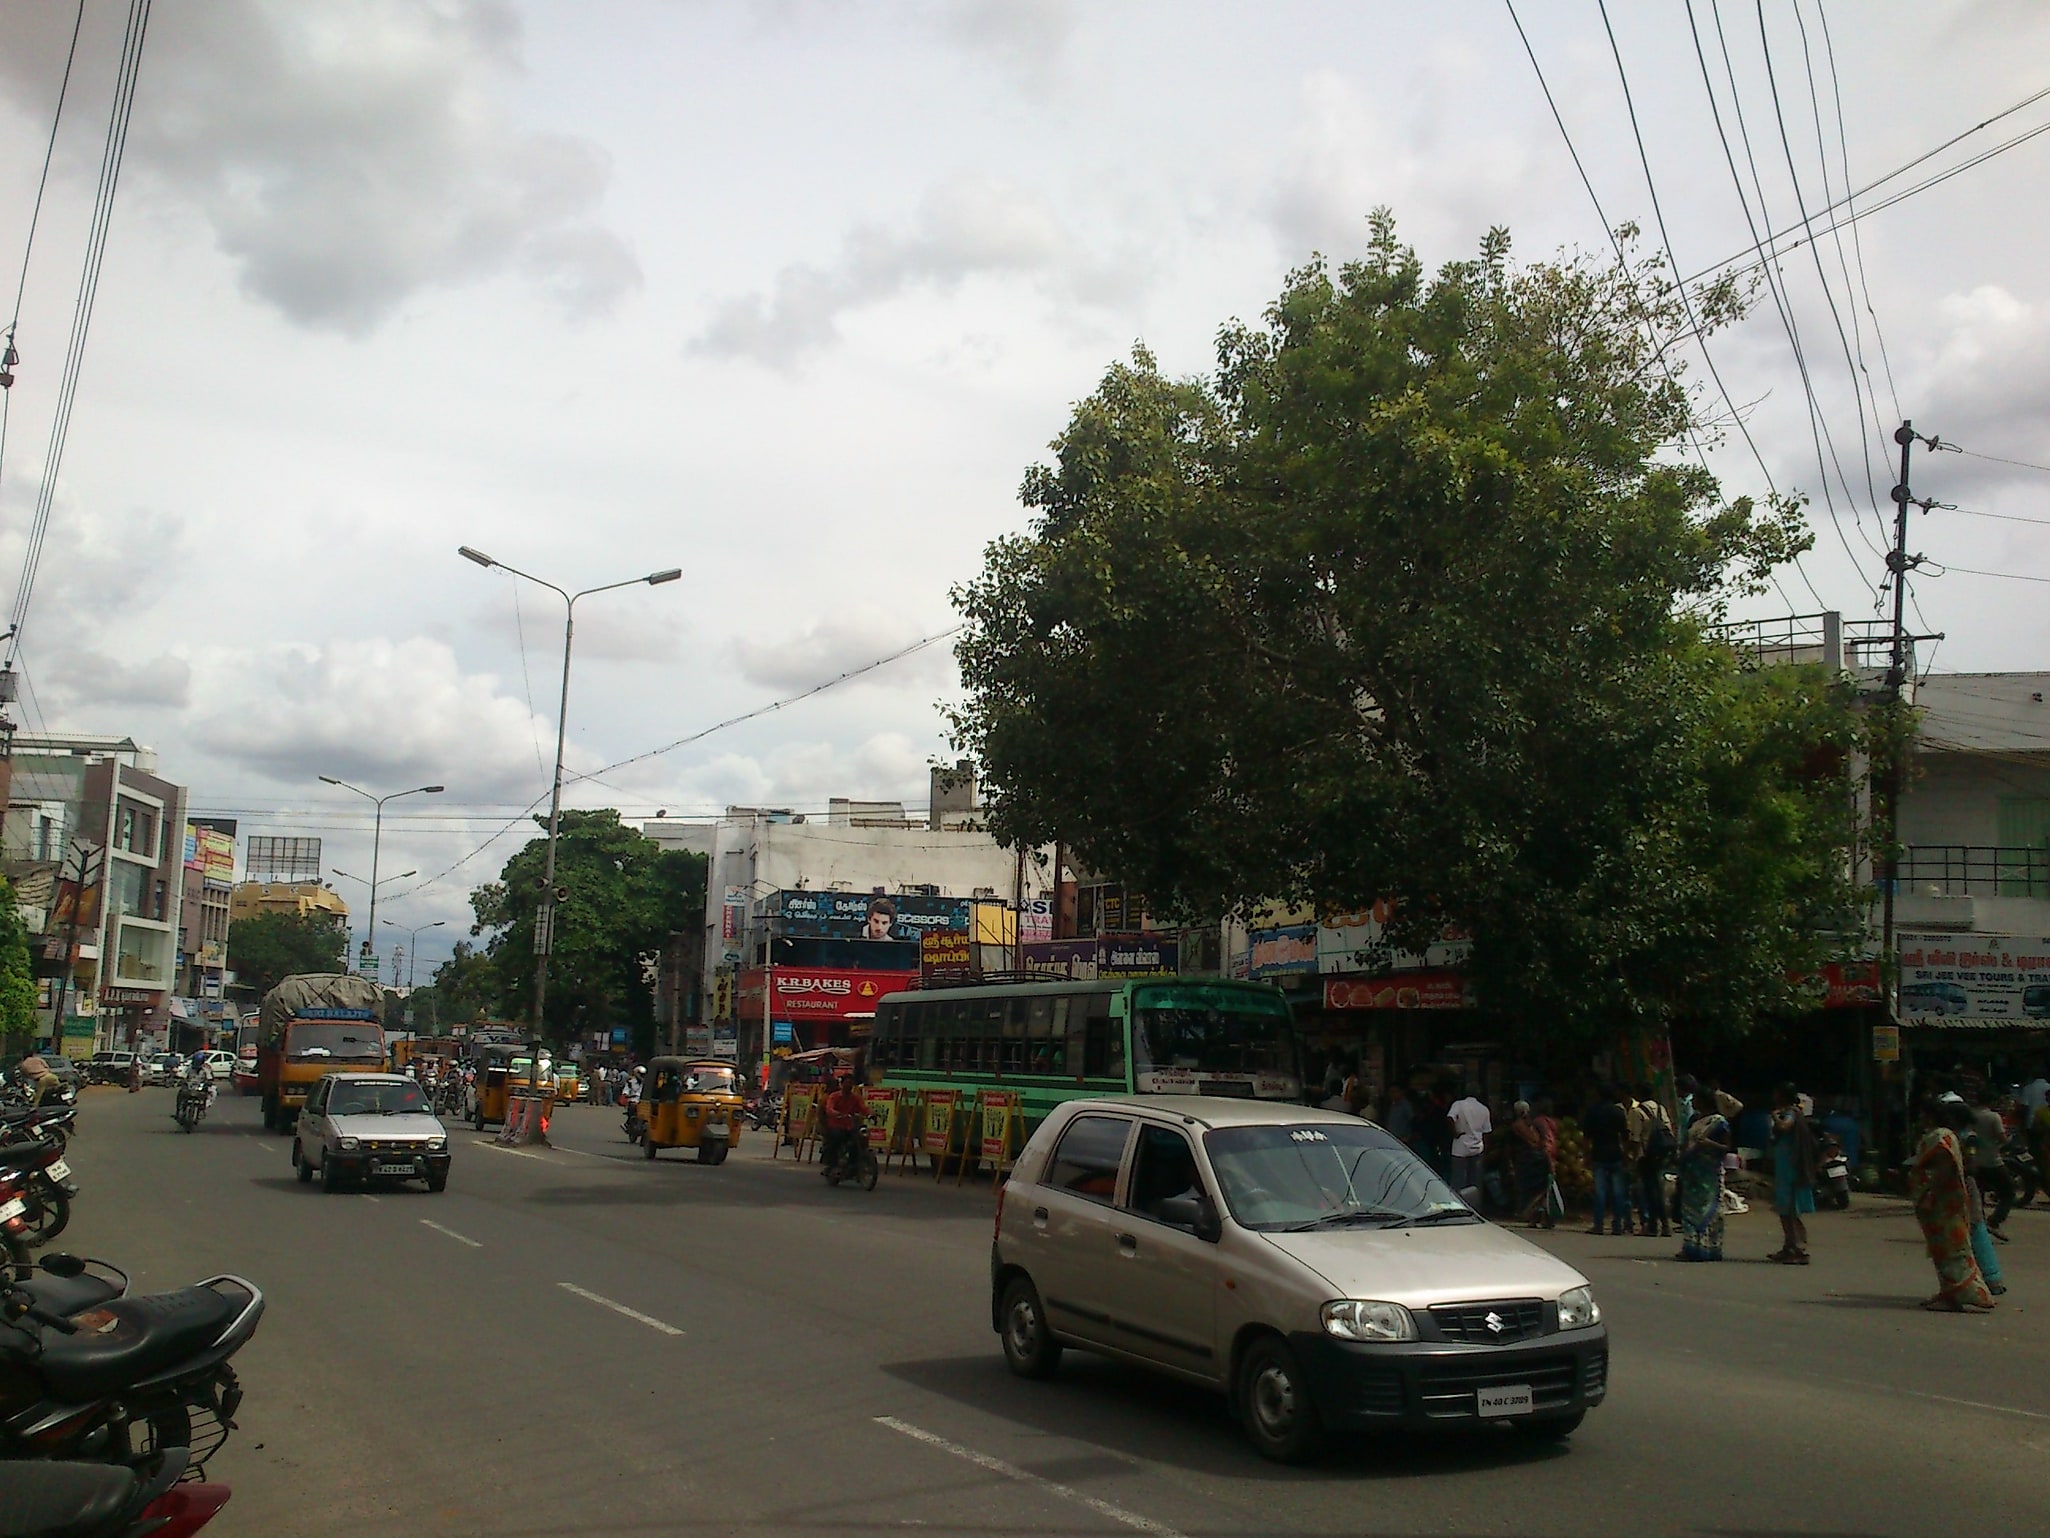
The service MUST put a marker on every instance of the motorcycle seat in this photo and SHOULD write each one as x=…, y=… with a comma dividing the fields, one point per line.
x=63, y=1500
x=68, y=1295
x=128, y=1339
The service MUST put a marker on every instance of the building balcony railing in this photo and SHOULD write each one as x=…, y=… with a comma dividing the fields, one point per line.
x=1976, y=870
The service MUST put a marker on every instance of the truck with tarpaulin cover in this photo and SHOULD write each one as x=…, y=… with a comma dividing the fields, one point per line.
x=313, y=1024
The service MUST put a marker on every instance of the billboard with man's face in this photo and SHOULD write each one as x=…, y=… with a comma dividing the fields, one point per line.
x=865, y=916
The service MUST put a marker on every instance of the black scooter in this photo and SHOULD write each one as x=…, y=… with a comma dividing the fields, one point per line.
x=122, y=1378
x=91, y=1500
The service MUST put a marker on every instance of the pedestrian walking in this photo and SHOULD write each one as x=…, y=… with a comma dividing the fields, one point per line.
x=1471, y=1125
x=1607, y=1126
x=1701, y=1182
x=1794, y=1165
x=1941, y=1192
x=1431, y=1131
x=1654, y=1143
x=1989, y=1136
x=1533, y=1154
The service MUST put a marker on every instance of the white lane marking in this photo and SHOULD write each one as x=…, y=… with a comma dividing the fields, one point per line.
x=620, y=1308
x=1969, y=1404
x=369, y=1198
x=517, y=1153
x=1102, y=1508
x=459, y=1239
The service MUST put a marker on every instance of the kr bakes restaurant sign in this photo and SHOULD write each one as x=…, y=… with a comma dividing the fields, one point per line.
x=822, y=993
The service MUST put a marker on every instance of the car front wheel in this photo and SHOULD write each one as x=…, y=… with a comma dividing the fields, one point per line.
x=1029, y=1347
x=299, y=1165
x=330, y=1175
x=1274, y=1403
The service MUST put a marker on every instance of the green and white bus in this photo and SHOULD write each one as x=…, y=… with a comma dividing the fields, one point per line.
x=1056, y=1041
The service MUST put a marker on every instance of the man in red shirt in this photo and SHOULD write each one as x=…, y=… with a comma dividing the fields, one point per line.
x=845, y=1114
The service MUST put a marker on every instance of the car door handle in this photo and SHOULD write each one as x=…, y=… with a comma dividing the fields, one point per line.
x=1128, y=1245
x=1039, y=1218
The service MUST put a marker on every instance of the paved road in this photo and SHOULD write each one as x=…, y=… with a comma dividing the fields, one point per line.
x=573, y=1341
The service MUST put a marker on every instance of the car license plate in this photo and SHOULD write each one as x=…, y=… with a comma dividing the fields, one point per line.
x=13, y=1209
x=407, y=1169
x=1509, y=1399
x=59, y=1171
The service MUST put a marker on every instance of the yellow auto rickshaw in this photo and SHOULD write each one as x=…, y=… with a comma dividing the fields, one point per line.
x=569, y=1084
x=690, y=1103
x=488, y=1089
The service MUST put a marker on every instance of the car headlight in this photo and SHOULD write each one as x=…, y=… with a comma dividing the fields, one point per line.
x=437, y=1144
x=349, y=1144
x=1578, y=1309
x=1354, y=1319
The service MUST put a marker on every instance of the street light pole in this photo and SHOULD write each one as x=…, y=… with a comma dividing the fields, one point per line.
x=377, y=845
x=412, y=944
x=544, y=913
x=369, y=939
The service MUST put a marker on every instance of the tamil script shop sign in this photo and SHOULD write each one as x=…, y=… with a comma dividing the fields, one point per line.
x=865, y=916
x=1104, y=956
x=1974, y=980
x=1405, y=990
x=946, y=956
x=819, y=993
x=1283, y=952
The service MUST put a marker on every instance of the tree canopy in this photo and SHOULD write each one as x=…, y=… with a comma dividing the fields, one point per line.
x=625, y=896
x=17, y=978
x=1411, y=599
x=265, y=948
x=465, y=989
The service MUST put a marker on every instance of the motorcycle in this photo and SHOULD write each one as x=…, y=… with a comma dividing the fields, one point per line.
x=855, y=1161
x=91, y=1500
x=1834, y=1185
x=767, y=1111
x=126, y=1378
x=46, y=1188
x=2022, y=1168
x=631, y=1122
x=195, y=1099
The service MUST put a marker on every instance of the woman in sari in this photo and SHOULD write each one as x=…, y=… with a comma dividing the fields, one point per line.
x=1941, y=1191
x=1701, y=1183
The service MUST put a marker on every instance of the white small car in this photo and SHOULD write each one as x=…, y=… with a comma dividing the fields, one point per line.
x=1304, y=1262
x=369, y=1126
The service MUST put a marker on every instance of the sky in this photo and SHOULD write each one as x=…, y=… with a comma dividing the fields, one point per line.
x=790, y=294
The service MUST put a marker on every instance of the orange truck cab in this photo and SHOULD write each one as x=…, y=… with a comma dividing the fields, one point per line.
x=314, y=1024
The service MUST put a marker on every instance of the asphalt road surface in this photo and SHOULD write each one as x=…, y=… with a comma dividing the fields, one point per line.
x=572, y=1340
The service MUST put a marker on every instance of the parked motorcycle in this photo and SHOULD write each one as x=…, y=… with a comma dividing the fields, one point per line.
x=46, y=1187
x=126, y=1378
x=767, y=1111
x=1834, y=1185
x=91, y=1500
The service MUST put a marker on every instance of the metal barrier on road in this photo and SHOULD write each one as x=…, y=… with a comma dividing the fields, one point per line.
x=526, y=1117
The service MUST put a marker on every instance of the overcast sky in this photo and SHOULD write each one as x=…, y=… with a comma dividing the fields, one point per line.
x=789, y=294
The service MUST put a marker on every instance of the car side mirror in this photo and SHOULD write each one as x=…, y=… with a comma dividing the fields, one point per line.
x=1195, y=1213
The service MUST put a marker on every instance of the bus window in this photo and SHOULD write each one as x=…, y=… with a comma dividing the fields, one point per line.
x=932, y=1036
x=1058, y=1042
x=1039, y=1035
x=1103, y=1053
x=1013, y=1060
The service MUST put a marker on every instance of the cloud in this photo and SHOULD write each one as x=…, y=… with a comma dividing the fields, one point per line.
x=968, y=226
x=379, y=712
x=1987, y=371
x=349, y=159
x=1028, y=37
x=83, y=676
x=842, y=641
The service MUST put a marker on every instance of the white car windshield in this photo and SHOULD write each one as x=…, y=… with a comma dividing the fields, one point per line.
x=379, y=1099
x=1290, y=1178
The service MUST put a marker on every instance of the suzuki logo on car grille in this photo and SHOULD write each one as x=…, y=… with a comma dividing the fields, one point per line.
x=1495, y=1322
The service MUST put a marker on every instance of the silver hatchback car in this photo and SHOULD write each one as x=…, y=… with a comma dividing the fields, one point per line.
x=1303, y=1262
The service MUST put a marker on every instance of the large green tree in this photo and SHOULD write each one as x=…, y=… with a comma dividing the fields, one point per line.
x=465, y=989
x=625, y=895
x=267, y=947
x=1411, y=600
x=17, y=979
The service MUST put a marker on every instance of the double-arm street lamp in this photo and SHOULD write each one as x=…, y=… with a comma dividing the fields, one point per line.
x=412, y=940
x=377, y=845
x=370, y=940
x=544, y=914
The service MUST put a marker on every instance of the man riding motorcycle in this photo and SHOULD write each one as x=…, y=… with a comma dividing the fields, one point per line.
x=845, y=1114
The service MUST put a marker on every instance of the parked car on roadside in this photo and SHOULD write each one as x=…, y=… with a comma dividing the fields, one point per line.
x=164, y=1068
x=1303, y=1262
x=109, y=1067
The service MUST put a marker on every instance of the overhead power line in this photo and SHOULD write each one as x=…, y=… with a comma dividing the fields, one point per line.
x=111, y=156
x=8, y=355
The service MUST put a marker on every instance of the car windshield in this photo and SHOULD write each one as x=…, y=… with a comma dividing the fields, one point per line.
x=1295, y=1177
x=322, y=1040
x=383, y=1098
